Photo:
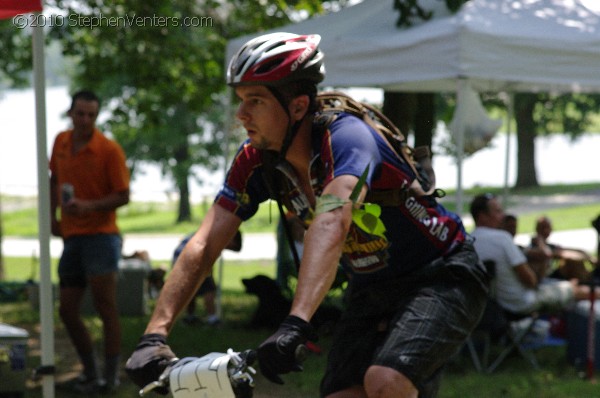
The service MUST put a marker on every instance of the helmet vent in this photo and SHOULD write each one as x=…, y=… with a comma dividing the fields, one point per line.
x=269, y=66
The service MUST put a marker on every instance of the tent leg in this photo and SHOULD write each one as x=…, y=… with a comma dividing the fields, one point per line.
x=461, y=85
x=509, y=116
x=46, y=299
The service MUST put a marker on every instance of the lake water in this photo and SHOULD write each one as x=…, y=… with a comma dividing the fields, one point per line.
x=558, y=160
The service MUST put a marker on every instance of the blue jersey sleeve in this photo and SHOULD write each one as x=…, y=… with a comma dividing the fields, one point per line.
x=349, y=147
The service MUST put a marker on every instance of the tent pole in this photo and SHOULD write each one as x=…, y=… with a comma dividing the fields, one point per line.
x=228, y=129
x=46, y=294
x=509, y=116
x=461, y=85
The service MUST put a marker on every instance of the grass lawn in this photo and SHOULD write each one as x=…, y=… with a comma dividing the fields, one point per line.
x=514, y=378
x=138, y=218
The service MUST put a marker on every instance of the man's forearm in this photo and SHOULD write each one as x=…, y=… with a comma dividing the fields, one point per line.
x=322, y=250
x=175, y=295
x=110, y=202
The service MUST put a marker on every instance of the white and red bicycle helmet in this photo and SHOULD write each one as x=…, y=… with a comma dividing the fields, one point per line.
x=276, y=59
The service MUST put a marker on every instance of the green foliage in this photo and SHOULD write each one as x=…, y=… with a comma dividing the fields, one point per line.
x=16, y=59
x=159, y=67
x=410, y=10
x=572, y=114
x=158, y=78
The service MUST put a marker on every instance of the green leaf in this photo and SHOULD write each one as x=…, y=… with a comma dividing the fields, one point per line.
x=328, y=202
x=367, y=219
x=359, y=185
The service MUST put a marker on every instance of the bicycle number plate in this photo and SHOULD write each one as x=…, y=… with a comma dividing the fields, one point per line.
x=204, y=377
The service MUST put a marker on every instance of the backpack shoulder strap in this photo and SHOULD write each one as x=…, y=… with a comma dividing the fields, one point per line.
x=418, y=159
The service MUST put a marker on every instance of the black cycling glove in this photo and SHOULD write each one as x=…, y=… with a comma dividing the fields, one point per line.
x=284, y=351
x=151, y=357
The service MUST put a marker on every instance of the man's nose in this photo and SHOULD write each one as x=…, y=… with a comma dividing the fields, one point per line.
x=241, y=113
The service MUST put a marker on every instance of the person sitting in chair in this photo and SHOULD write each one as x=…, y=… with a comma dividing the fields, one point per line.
x=518, y=288
x=567, y=263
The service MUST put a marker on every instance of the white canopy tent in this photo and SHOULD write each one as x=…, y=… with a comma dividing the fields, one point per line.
x=489, y=45
x=498, y=45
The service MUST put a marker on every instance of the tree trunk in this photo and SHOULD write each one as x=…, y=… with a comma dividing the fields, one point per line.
x=424, y=119
x=400, y=108
x=181, y=172
x=185, y=210
x=526, y=132
x=411, y=112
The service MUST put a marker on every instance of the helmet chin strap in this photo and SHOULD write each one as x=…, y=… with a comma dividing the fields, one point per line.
x=291, y=132
x=292, y=128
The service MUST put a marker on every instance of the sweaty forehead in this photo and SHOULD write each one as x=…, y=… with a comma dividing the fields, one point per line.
x=253, y=91
x=82, y=105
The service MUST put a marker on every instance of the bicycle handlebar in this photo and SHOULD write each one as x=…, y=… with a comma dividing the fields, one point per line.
x=185, y=377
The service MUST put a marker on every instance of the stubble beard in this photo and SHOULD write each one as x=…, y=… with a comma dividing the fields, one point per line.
x=261, y=144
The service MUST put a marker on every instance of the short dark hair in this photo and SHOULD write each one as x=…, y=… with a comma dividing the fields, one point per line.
x=296, y=88
x=510, y=217
x=85, y=95
x=480, y=204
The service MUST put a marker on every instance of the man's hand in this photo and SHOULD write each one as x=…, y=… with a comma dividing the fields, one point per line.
x=284, y=351
x=150, y=358
x=55, y=228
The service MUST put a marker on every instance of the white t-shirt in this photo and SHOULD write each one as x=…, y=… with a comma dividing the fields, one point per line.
x=497, y=245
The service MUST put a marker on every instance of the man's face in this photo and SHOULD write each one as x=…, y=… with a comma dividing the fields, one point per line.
x=83, y=116
x=544, y=228
x=262, y=116
x=494, y=216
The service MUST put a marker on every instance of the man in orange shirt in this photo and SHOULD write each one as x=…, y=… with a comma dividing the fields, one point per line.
x=89, y=181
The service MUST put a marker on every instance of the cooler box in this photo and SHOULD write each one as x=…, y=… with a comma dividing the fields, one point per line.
x=132, y=289
x=13, y=358
x=577, y=333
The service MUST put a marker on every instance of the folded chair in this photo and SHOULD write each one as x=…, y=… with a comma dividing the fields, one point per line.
x=502, y=329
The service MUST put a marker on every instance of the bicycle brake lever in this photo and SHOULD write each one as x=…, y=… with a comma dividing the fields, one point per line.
x=151, y=386
x=162, y=381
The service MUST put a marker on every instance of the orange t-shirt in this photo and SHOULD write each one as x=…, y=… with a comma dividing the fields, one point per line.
x=97, y=170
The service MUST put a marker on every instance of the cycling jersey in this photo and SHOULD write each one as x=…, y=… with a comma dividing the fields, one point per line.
x=418, y=229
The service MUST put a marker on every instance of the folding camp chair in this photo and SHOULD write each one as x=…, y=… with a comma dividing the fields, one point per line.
x=501, y=328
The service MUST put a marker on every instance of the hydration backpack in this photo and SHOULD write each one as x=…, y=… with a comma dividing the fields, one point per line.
x=418, y=159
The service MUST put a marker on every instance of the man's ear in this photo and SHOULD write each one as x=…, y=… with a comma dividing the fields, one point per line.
x=298, y=107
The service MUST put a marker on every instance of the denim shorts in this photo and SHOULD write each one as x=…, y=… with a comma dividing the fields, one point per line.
x=414, y=325
x=88, y=255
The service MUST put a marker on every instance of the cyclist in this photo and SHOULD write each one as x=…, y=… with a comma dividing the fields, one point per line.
x=415, y=292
